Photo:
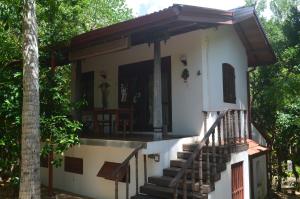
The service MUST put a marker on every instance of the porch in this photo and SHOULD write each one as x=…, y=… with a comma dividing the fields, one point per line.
x=128, y=106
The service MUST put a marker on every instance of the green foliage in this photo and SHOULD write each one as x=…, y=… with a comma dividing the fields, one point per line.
x=58, y=21
x=59, y=131
x=10, y=123
x=276, y=88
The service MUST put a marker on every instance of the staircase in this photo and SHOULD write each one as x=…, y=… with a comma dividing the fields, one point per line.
x=198, y=166
x=158, y=186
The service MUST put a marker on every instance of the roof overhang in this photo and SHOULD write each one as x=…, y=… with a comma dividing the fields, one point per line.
x=255, y=150
x=179, y=19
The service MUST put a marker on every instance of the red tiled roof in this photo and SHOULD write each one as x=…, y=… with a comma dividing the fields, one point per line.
x=255, y=148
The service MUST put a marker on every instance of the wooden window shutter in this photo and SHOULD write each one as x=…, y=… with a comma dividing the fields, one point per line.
x=74, y=165
x=229, y=94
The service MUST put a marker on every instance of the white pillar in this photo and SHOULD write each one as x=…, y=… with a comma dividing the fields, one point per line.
x=157, y=98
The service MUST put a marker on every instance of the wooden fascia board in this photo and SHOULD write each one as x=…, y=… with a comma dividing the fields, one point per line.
x=128, y=26
x=246, y=43
x=205, y=19
x=261, y=30
x=241, y=15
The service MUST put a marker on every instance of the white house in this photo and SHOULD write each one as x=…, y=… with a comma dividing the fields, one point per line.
x=167, y=105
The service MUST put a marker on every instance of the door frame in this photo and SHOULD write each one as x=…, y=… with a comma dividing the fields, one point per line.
x=166, y=69
x=237, y=180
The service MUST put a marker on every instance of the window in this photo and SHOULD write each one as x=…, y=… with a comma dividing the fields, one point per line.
x=87, y=86
x=228, y=83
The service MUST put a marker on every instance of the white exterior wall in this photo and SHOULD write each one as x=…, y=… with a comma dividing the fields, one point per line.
x=260, y=189
x=223, y=46
x=93, y=157
x=205, y=50
x=223, y=186
x=257, y=137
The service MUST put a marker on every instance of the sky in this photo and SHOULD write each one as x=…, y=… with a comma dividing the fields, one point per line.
x=142, y=7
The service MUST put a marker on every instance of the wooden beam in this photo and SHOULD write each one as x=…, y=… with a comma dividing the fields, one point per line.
x=157, y=98
x=100, y=49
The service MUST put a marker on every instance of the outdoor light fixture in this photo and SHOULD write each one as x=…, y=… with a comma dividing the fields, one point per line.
x=183, y=60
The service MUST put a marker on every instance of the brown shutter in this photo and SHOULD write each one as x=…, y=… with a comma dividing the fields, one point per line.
x=74, y=165
x=228, y=83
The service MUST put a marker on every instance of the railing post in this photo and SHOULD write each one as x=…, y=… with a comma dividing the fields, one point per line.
x=224, y=133
x=193, y=176
x=200, y=171
x=239, y=126
x=127, y=181
x=136, y=174
x=207, y=162
x=145, y=169
x=184, y=186
x=228, y=132
x=233, y=126
x=175, y=195
x=116, y=187
x=219, y=131
x=214, y=154
x=245, y=126
x=205, y=122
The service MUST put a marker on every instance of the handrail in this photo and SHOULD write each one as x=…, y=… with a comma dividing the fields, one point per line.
x=180, y=174
x=126, y=161
x=125, y=164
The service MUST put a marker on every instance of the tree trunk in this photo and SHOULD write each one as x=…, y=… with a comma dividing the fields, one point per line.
x=30, y=161
x=279, y=172
x=295, y=174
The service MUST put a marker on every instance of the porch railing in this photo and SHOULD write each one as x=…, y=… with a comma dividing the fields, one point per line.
x=125, y=164
x=229, y=132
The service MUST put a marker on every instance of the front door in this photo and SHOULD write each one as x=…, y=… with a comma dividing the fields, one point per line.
x=237, y=181
x=136, y=92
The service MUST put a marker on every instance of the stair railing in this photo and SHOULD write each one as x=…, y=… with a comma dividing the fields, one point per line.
x=227, y=136
x=125, y=164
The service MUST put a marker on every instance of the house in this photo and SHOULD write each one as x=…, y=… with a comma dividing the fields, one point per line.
x=167, y=103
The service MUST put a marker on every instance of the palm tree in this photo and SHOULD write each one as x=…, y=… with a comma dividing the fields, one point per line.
x=30, y=160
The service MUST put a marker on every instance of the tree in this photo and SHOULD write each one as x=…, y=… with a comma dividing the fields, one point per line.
x=30, y=159
x=275, y=88
x=58, y=22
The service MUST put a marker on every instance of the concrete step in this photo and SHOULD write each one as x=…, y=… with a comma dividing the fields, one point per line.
x=191, y=148
x=172, y=172
x=166, y=192
x=143, y=196
x=164, y=181
x=180, y=162
x=187, y=154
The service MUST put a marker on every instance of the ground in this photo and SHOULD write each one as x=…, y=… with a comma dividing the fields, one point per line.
x=280, y=195
x=61, y=195
x=65, y=195
x=11, y=194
